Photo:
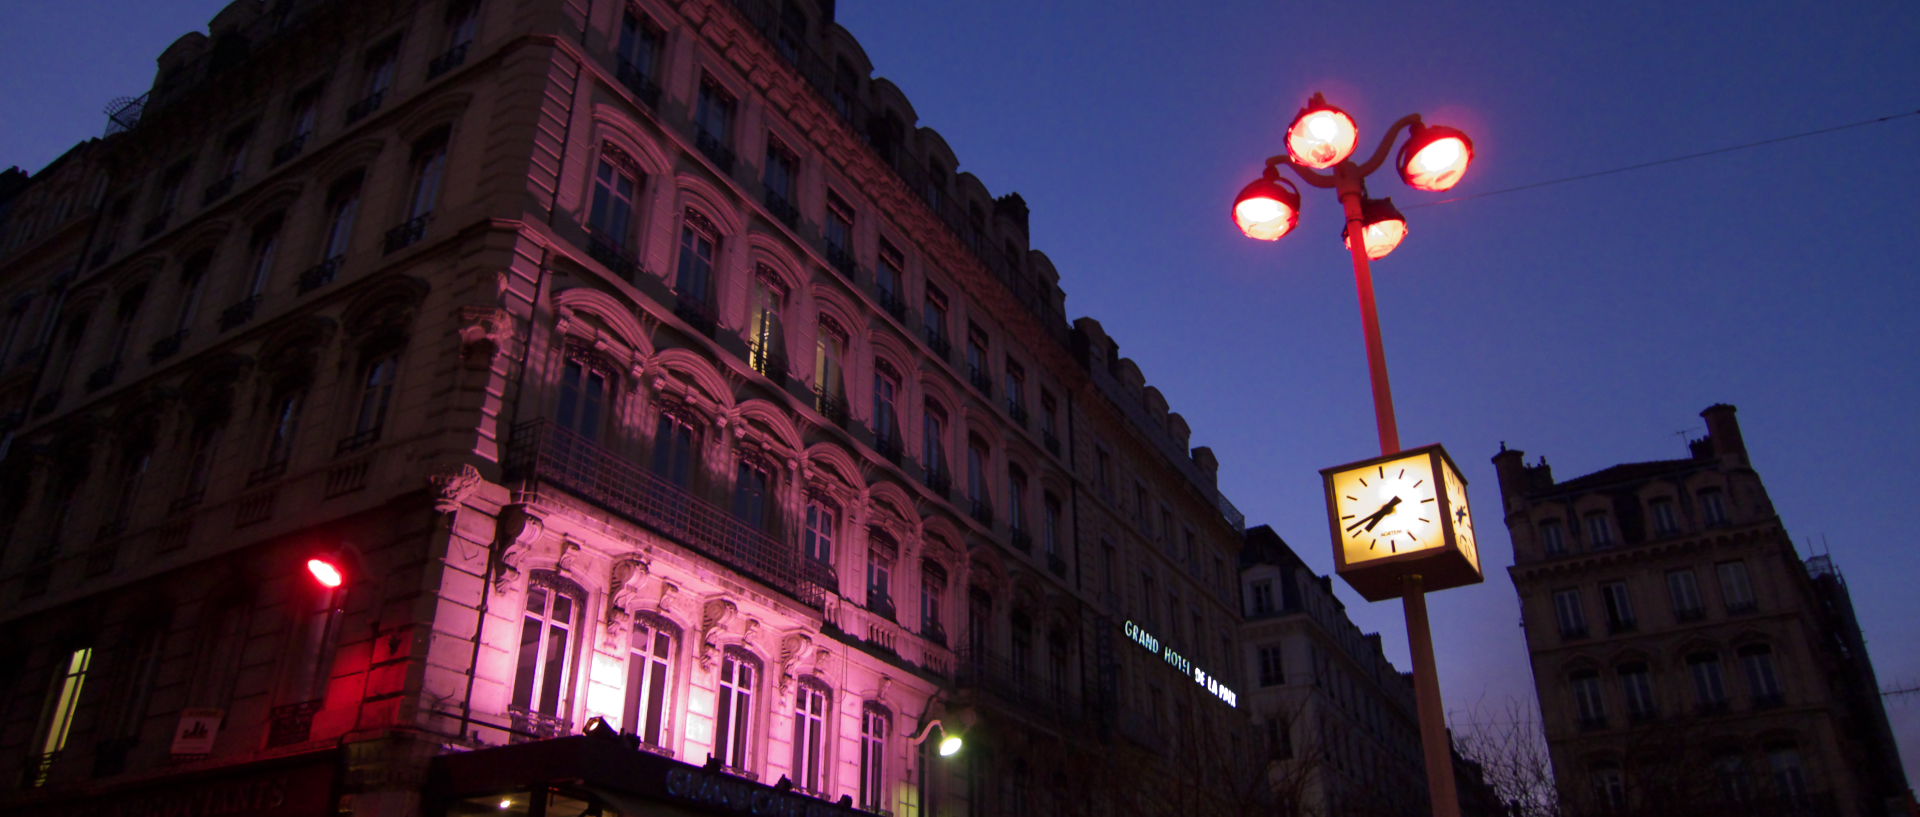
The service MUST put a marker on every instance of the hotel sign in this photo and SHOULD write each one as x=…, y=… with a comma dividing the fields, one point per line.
x=1206, y=680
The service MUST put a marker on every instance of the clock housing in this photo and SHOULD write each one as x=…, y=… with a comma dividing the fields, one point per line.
x=1400, y=514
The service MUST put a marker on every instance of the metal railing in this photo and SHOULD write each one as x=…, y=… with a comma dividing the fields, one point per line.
x=449, y=60
x=997, y=675
x=542, y=451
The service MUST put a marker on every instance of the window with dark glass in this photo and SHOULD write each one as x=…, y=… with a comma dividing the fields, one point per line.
x=639, y=47
x=822, y=520
x=233, y=152
x=260, y=253
x=713, y=113
x=379, y=68
x=732, y=738
x=1272, y=669
x=1735, y=590
x=1762, y=681
x=977, y=475
x=1789, y=772
x=977, y=355
x=1599, y=531
x=376, y=393
x=673, y=449
x=875, y=724
x=1050, y=529
x=1552, y=537
x=1709, y=688
x=284, y=419
x=303, y=113
x=1636, y=686
x=839, y=230
x=1713, y=506
x=1261, y=594
x=1566, y=608
x=614, y=183
x=779, y=174
x=698, y=242
x=751, y=488
x=881, y=551
x=886, y=420
x=343, y=203
x=1016, y=391
x=543, y=669
x=1588, y=699
x=463, y=21
x=429, y=171
x=584, y=396
x=887, y=277
x=933, y=318
x=933, y=439
x=1016, y=499
x=979, y=623
x=1664, y=520
x=649, y=680
x=1020, y=646
x=810, y=706
x=1619, y=605
x=933, y=584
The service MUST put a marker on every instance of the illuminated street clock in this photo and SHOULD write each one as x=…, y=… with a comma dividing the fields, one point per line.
x=1399, y=514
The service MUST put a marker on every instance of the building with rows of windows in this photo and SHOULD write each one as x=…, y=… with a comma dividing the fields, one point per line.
x=1686, y=658
x=557, y=407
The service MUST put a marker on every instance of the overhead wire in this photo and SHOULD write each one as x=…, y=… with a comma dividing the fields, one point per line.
x=1669, y=160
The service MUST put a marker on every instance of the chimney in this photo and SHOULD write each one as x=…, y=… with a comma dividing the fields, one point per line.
x=1723, y=433
x=1209, y=465
x=1510, y=466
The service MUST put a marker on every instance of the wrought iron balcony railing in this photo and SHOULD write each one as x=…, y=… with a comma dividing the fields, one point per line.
x=285, y=151
x=639, y=82
x=449, y=60
x=1014, y=684
x=618, y=259
x=166, y=347
x=696, y=311
x=367, y=105
x=832, y=405
x=715, y=148
x=841, y=259
x=409, y=233
x=542, y=451
x=782, y=208
x=320, y=274
x=239, y=313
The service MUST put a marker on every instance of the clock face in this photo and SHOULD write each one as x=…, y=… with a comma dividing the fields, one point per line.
x=1388, y=508
x=1462, y=517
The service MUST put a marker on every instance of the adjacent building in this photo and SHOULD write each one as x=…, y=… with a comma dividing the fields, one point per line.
x=556, y=407
x=1687, y=659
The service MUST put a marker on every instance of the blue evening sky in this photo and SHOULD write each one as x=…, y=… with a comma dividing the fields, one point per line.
x=1588, y=322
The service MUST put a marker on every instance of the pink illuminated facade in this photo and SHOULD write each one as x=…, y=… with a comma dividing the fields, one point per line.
x=542, y=406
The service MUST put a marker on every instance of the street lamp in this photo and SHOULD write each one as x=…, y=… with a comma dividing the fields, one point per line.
x=1381, y=501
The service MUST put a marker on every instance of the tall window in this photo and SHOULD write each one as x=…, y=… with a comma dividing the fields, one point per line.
x=887, y=276
x=204, y=444
x=1587, y=698
x=56, y=717
x=732, y=738
x=543, y=670
x=1762, y=681
x=766, y=347
x=1789, y=774
x=1664, y=520
x=311, y=663
x=1735, y=590
x=810, y=705
x=713, y=113
x=233, y=152
x=649, y=680
x=977, y=477
x=933, y=319
x=1713, y=506
x=979, y=623
x=977, y=357
x=1609, y=786
x=133, y=474
x=614, y=183
x=639, y=47
x=260, y=252
x=1566, y=609
x=698, y=241
x=1016, y=391
x=1050, y=529
x=1619, y=606
x=1273, y=671
x=1709, y=689
x=933, y=589
x=1636, y=685
x=429, y=171
x=933, y=439
x=886, y=417
x=1262, y=597
x=874, y=726
x=381, y=63
x=1730, y=772
x=1599, y=531
x=343, y=202
x=881, y=552
x=303, y=114
x=673, y=449
x=123, y=320
x=1020, y=646
x=1016, y=499
x=376, y=393
x=583, y=395
x=1553, y=539
x=1684, y=592
x=751, y=487
x=822, y=518
x=285, y=421
x=838, y=232
x=463, y=21
x=830, y=343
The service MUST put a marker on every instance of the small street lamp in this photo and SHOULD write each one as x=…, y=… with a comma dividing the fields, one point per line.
x=1405, y=552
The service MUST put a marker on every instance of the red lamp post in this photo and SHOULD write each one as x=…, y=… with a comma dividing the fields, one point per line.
x=1322, y=138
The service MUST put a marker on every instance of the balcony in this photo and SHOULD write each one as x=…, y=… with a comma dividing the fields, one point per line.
x=103, y=377
x=1017, y=411
x=155, y=225
x=219, y=190
x=452, y=58
x=320, y=274
x=1002, y=678
x=271, y=471
x=782, y=209
x=981, y=510
x=540, y=451
x=529, y=725
x=239, y=314
x=618, y=259
x=834, y=407
x=890, y=301
x=821, y=574
x=715, y=149
x=357, y=441
x=888, y=447
x=285, y=151
x=291, y=723
x=1020, y=540
x=639, y=83
x=937, y=481
x=942, y=348
x=407, y=234
x=881, y=606
x=977, y=375
x=359, y=110
x=841, y=259
x=697, y=312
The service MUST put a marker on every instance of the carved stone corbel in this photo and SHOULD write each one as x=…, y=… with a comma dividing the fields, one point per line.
x=452, y=483
x=516, y=533
x=484, y=332
x=713, y=618
x=623, y=594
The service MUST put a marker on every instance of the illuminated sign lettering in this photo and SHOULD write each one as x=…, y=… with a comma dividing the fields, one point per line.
x=1206, y=680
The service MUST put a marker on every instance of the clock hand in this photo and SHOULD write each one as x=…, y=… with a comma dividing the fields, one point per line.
x=1382, y=513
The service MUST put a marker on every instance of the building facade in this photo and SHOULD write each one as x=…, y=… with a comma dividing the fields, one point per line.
x=682, y=431
x=1686, y=657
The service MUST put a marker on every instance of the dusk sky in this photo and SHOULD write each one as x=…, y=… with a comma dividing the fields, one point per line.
x=1588, y=322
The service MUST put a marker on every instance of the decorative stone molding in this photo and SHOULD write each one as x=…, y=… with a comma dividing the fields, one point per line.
x=452, y=484
x=516, y=533
x=484, y=332
x=624, y=581
x=713, y=619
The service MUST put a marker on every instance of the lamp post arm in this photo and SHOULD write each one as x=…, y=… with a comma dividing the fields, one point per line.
x=1386, y=143
x=1326, y=181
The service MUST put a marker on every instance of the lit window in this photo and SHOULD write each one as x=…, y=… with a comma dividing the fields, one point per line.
x=649, y=680
x=766, y=342
x=56, y=718
x=733, y=735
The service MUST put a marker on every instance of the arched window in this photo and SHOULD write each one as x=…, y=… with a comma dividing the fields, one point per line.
x=1636, y=685
x=1709, y=688
x=343, y=204
x=886, y=414
x=823, y=519
x=377, y=373
x=673, y=447
x=812, y=702
x=1588, y=699
x=261, y=249
x=753, y=492
x=283, y=419
x=933, y=446
x=649, y=680
x=429, y=172
x=615, y=181
x=543, y=671
x=693, y=280
x=875, y=725
x=585, y=381
x=1017, y=505
x=829, y=391
x=933, y=590
x=977, y=459
x=881, y=553
x=766, y=346
x=734, y=732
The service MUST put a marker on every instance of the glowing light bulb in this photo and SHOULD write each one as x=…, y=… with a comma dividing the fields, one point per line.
x=1435, y=158
x=1266, y=209
x=325, y=572
x=1321, y=136
x=949, y=745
